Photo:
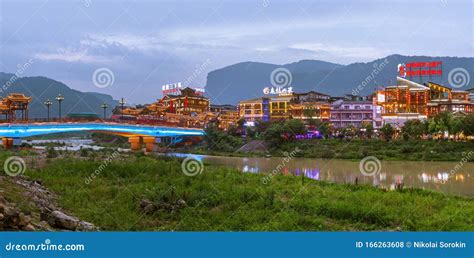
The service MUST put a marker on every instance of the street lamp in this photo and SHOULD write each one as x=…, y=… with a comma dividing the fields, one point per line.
x=60, y=98
x=122, y=102
x=104, y=106
x=48, y=103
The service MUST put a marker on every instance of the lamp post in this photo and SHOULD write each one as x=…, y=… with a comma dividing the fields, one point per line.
x=48, y=103
x=122, y=102
x=104, y=106
x=60, y=98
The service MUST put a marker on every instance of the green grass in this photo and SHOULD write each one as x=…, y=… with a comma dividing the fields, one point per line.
x=225, y=199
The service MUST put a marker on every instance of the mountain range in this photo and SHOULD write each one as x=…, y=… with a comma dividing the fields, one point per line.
x=43, y=88
x=246, y=80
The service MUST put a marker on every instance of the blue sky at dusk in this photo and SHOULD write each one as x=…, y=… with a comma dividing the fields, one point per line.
x=150, y=43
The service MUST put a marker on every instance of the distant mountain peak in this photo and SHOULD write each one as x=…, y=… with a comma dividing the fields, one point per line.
x=246, y=80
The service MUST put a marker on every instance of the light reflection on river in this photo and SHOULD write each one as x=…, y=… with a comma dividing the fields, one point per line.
x=418, y=174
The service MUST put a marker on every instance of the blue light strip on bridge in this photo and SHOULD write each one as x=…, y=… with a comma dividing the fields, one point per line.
x=26, y=130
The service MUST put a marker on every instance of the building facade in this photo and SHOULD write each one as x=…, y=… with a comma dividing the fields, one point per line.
x=344, y=113
x=304, y=106
x=188, y=102
x=410, y=100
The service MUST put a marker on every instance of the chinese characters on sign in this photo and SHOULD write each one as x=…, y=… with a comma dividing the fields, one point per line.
x=420, y=69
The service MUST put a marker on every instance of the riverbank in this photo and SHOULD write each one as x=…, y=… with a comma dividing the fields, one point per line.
x=135, y=192
x=356, y=149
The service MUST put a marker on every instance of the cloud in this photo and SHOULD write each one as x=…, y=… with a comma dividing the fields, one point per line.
x=361, y=53
x=68, y=55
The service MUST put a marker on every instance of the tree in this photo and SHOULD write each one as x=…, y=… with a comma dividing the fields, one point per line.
x=321, y=126
x=413, y=129
x=368, y=129
x=455, y=125
x=273, y=134
x=349, y=131
x=261, y=126
x=218, y=140
x=293, y=127
x=468, y=125
x=387, y=132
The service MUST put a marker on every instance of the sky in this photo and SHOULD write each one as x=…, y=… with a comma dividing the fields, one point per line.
x=145, y=44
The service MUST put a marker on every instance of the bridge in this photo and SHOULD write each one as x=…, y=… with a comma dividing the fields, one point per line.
x=11, y=134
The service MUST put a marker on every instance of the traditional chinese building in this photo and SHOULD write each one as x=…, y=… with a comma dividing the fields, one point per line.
x=411, y=100
x=11, y=104
x=187, y=102
x=225, y=115
x=444, y=99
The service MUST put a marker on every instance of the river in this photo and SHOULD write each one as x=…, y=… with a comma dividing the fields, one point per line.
x=447, y=177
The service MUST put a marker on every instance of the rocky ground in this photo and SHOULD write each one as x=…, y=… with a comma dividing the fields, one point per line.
x=26, y=205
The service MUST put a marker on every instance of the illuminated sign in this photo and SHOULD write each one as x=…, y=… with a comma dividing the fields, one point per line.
x=175, y=89
x=380, y=97
x=420, y=69
x=200, y=91
x=277, y=90
x=171, y=89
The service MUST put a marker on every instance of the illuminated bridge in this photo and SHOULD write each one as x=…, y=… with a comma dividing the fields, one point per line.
x=11, y=134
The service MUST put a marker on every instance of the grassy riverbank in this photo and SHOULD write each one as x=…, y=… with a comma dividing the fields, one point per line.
x=402, y=150
x=225, y=199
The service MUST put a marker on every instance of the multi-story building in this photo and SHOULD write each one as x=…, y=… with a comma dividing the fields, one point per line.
x=311, y=105
x=226, y=115
x=311, y=110
x=411, y=100
x=227, y=118
x=444, y=99
x=219, y=108
x=188, y=102
x=255, y=109
x=471, y=94
x=355, y=113
x=312, y=96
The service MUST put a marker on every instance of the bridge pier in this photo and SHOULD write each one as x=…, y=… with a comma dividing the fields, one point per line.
x=7, y=143
x=135, y=143
x=149, y=143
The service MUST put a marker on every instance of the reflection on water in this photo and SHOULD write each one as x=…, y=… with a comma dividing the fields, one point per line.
x=419, y=174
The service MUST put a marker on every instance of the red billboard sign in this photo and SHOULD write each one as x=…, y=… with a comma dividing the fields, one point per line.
x=420, y=69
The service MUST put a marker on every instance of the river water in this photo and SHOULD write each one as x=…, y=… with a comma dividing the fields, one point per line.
x=448, y=177
x=438, y=176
